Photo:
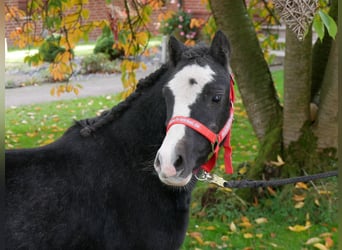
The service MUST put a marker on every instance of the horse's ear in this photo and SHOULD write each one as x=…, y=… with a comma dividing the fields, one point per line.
x=220, y=48
x=176, y=49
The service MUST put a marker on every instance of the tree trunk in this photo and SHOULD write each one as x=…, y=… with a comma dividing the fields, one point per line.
x=249, y=66
x=326, y=126
x=297, y=85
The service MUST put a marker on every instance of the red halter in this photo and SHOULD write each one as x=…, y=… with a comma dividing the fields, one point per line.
x=215, y=139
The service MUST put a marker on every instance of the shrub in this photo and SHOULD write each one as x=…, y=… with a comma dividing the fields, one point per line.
x=51, y=48
x=98, y=63
x=104, y=44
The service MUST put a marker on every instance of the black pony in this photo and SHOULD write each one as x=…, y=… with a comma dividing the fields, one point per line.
x=118, y=181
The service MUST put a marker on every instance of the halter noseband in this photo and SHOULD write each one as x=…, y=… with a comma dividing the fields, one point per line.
x=215, y=139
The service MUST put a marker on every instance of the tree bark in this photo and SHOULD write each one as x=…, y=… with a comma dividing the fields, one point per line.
x=326, y=126
x=297, y=85
x=249, y=66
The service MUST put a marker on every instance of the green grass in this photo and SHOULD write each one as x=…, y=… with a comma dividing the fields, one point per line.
x=228, y=224
x=36, y=125
x=224, y=221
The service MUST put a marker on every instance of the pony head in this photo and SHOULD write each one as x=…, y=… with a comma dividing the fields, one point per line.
x=199, y=89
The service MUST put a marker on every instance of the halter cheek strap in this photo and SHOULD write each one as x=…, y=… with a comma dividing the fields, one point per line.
x=215, y=139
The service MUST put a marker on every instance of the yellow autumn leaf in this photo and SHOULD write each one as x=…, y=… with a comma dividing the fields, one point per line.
x=243, y=170
x=69, y=88
x=48, y=141
x=189, y=42
x=324, y=192
x=298, y=197
x=196, y=23
x=279, y=161
x=259, y=236
x=31, y=134
x=142, y=38
x=143, y=66
x=301, y=185
x=248, y=236
x=52, y=91
x=320, y=246
x=210, y=228
x=76, y=91
x=224, y=238
x=299, y=204
x=245, y=222
x=85, y=13
x=299, y=228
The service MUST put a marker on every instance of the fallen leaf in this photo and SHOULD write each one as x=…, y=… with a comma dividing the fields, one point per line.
x=298, y=197
x=299, y=228
x=301, y=185
x=261, y=220
x=248, y=236
x=328, y=242
x=224, y=238
x=271, y=191
x=273, y=245
x=299, y=204
x=313, y=241
x=279, y=161
x=243, y=170
x=197, y=236
x=245, y=222
x=324, y=235
x=259, y=236
x=324, y=192
x=232, y=227
x=320, y=246
x=210, y=228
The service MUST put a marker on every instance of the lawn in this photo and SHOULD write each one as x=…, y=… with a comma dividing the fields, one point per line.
x=293, y=217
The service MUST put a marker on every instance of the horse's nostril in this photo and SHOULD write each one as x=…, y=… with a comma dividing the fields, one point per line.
x=157, y=162
x=178, y=161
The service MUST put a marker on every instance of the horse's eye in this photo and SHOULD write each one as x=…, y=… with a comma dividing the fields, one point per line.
x=216, y=98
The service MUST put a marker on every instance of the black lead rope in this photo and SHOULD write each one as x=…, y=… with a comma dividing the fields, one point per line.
x=280, y=182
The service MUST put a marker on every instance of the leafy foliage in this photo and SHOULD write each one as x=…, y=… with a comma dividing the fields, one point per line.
x=63, y=24
x=321, y=20
x=182, y=25
x=104, y=44
x=50, y=48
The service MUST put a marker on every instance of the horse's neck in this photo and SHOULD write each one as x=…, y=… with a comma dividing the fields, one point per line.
x=143, y=124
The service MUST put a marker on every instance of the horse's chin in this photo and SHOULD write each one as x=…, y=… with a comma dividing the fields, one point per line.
x=176, y=181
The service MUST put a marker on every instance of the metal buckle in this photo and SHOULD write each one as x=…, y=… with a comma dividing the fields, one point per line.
x=211, y=178
x=215, y=144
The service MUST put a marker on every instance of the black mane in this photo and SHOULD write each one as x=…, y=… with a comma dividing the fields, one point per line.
x=93, y=124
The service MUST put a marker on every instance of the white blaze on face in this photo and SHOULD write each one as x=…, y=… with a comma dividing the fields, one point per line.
x=185, y=86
